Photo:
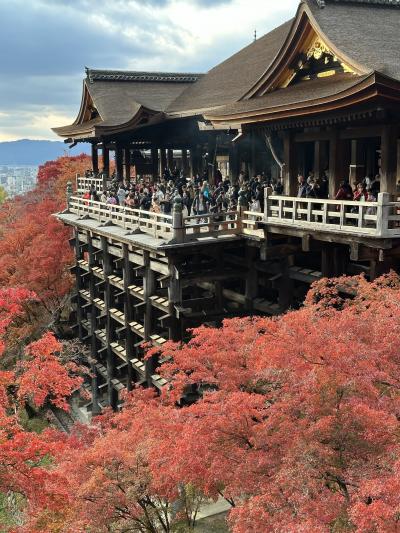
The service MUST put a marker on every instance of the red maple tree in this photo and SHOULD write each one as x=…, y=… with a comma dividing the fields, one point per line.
x=297, y=427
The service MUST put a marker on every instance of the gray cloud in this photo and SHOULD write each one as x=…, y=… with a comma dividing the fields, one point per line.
x=45, y=44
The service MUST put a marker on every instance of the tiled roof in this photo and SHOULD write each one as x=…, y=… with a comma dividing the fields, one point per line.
x=228, y=81
x=365, y=31
x=123, y=75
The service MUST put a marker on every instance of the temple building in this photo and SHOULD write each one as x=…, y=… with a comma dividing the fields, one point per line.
x=320, y=94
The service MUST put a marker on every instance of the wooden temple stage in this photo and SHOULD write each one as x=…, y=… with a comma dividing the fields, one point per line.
x=319, y=93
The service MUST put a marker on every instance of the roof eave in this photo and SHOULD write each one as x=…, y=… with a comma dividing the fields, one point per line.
x=369, y=88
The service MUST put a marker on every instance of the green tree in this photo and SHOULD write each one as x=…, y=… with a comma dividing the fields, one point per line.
x=3, y=195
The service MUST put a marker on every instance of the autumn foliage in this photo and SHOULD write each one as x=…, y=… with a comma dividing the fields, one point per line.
x=34, y=249
x=297, y=427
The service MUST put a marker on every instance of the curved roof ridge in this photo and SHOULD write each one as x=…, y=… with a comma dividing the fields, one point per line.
x=387, y=3
x=130, y=75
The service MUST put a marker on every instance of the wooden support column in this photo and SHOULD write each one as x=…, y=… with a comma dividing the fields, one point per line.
x=155, y=164
x=110, y=326
x=149, y=286
x=163, y=161
x=285, y=284
x=389, y=159
x=106, y=160
x=95, y=158
x=174, y=298
x=170, y=159
x=195, y=160
x=79, y=284
x=290, y=169
x=327, y=261
x=233, y=163
x=129, y=314
x=119, y=167
x=251, y=290
x=398, y=165
x=357, y=164
x=336, y=164
x=320, y=158
x=253, y=157
x=185, y=166
x=127, y=163
x=94, y=343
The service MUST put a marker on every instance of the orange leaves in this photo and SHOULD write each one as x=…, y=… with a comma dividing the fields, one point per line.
x=43, y=378
x=34, y=250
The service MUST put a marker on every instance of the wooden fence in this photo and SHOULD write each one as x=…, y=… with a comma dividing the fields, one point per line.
x=377, y=219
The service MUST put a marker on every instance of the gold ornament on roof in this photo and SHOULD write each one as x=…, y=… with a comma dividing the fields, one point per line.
x=318, y=49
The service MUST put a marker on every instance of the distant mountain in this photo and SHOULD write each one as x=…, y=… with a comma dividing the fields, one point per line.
x=33, y=153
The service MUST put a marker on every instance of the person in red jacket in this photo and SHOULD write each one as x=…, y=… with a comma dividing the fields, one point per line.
x=345, y=192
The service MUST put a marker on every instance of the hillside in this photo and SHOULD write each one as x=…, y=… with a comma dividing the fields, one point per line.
x=29, y=152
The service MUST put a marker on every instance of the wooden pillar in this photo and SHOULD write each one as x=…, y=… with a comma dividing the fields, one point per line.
x=185, y=166
x=336, y=164
x=79, y=285
x=110, y=326
x=127, y=163
x=195, y=158
x=170, y=159
x=174, y=298
x=389, y=159
x=285, y=284
x=106, y=160
x=398, y=166
x=96, y=409
x=119, y=162
x=327, y=262
x=95, y=158
x=233, y=163
x=128, y=313
x=163, y=161
x=253, y=157
x=320, y=158
x=357, y=164
x=251, y=288
x=155, y=163
x=149, y=286
x=290, y=168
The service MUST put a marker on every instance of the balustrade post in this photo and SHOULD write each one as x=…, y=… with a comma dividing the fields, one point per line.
x=69, y=195
x=177, y=221
x=240, y=216
x=267, y=195
x=382, y=214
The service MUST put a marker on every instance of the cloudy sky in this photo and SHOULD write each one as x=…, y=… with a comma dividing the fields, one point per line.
x=45, y=45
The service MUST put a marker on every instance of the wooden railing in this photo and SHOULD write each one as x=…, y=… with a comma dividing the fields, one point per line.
x=211, y=224
x=378, y=219
x=155, y=224
x=375, y=219
x=173, y=227
x=83, y=183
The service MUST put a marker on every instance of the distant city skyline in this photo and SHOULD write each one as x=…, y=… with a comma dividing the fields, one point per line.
x=45, y=45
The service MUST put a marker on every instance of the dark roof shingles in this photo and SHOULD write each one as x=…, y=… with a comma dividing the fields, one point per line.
x=228, y=81
x=369, y=34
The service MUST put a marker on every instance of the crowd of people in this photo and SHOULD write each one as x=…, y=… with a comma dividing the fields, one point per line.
x=197, y=195
x=366, y=190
